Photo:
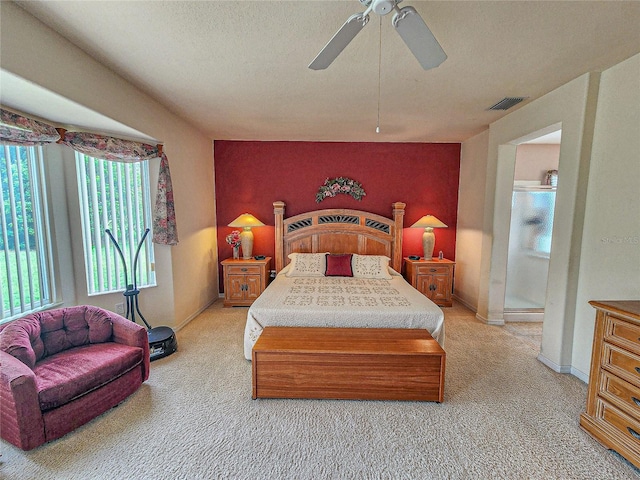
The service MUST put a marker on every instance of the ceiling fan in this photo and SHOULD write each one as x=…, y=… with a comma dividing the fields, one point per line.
x=406, y=21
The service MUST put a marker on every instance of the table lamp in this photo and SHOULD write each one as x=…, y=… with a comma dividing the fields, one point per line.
x=428, y=222
x=246, y=221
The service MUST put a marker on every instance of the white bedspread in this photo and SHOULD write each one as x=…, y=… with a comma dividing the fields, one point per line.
x=341, y=302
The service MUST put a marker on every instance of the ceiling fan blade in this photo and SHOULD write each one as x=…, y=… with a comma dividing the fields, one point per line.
x=339, y=41
x=415, y=33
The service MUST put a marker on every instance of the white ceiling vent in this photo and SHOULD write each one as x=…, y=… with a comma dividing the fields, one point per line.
x=507, y=102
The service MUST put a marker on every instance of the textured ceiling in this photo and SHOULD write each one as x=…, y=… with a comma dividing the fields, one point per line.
x=238, y=70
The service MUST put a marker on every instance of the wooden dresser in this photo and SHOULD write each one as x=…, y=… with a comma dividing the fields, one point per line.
x=433, y=277
x=613, y=397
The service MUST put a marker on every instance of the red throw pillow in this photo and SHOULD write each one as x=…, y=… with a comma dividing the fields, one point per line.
x=338, y=265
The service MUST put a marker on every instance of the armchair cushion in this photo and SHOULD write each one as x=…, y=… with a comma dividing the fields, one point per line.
x=62, y=378
x=78, y=326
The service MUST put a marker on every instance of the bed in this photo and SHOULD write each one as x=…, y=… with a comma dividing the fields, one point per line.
x=369, y=247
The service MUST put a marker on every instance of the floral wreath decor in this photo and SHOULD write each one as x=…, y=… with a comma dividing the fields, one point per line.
x=334, y=186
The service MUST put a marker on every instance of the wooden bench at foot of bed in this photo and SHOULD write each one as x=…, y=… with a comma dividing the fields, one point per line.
x=348, y=363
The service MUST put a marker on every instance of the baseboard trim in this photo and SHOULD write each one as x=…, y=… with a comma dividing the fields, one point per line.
x=553, y=365
x=490, y=321
x=580, y=374
x=466, y=304
x=523, y=316
x=481, y=318
x=571, y=370
x=194, y=315
x=474, y=309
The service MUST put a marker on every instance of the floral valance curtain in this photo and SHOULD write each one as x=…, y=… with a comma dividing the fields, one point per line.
x=16, y=129
x=109, y=148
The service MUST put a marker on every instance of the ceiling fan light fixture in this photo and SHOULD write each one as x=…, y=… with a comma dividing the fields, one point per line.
x=382, y=7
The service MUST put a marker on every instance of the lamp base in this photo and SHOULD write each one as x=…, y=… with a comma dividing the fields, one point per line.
x=428, y=242
x=246, y=241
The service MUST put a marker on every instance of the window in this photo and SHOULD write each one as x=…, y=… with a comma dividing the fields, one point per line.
x=114, y=196
x=26, y=268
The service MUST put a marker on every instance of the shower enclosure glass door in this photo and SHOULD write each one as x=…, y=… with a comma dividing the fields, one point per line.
x=529, y=247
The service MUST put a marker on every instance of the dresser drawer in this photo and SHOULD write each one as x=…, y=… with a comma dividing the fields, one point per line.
x=428, y=269
x=621, y=363
x=620, y=393
x=243, y=269
x=627, y=428
x=622, y=333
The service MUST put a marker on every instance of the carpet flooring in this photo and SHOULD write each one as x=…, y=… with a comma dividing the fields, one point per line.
x=505, y=416
x=528, y=332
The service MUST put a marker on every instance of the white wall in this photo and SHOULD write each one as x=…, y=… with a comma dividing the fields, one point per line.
x=469, y=233
x=60, y=226
x=187, y=273
x=595, y=250
x=610, y=255
x=533, y=161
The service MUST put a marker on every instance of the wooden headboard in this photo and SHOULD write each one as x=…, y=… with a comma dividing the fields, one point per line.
x=339, y=231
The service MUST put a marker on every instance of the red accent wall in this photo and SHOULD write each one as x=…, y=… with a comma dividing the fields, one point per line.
x=250, y=176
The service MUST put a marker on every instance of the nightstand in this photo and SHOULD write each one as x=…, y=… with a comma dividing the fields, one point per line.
x=244, y=280
x=434, y=278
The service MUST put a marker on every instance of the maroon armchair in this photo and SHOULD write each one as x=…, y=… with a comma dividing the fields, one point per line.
x=61, y=368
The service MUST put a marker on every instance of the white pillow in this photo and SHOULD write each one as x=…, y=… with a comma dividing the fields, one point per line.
x=307, y=265
x=371, y=266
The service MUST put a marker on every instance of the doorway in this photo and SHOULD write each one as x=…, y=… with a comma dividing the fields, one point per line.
x=530, y=235
x=531, y=229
